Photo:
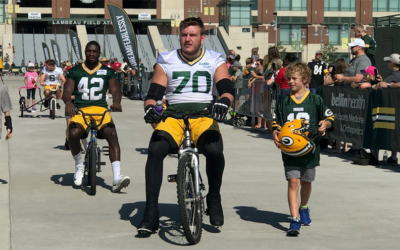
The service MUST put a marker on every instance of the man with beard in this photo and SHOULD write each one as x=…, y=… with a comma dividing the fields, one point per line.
x=186, y=76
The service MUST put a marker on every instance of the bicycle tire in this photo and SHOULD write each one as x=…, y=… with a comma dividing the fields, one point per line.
x=192, y=223
x=92, y=169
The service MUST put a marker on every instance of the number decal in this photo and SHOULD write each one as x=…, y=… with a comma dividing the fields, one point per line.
x=90, y=94
x=196, y=76
x=186, y=77
x=52, y=78
x=299, y=116
x=317, y=70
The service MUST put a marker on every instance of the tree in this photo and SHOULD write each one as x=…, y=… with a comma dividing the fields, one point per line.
x=281, y=48
x=327, y=51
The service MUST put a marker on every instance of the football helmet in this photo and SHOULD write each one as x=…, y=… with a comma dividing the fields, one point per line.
x=296, y=138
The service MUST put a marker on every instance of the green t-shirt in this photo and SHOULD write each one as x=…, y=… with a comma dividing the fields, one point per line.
x=91, y=86
x=368, y=40
x=313, y=109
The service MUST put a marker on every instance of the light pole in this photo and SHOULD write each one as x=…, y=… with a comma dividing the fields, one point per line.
x=191, y=10
x=175, y=16
x=322, y=31
x=297, y=41
x=209, y=14
x=344, y=32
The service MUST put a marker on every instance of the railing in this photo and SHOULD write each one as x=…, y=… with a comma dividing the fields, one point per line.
x=214, y=47
x=144, y=53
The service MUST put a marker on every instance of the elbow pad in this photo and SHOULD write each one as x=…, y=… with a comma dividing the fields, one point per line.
x=8, y=123
x=156, y=92
x=225, y=86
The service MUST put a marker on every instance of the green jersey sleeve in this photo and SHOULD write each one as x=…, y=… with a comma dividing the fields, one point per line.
x=278, y=121
x=71, y=74
x=326, y=113
x=111, y=74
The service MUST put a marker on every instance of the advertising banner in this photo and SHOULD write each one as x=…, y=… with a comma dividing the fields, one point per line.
x=56, y=52
x=76, y=44
x=46, y=52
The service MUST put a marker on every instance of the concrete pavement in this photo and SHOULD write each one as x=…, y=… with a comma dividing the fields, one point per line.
x=352, y=207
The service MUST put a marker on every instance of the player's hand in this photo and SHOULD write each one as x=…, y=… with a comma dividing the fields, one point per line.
x=116, y=107
x=220, y=109
x=322, y=127
x=275, y=135
x=151, y=115
x=70, y=109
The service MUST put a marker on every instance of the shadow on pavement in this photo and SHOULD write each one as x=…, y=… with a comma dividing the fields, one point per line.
x=60, y=147
x=3, y=181
x=390, y=168
x=252, y=214
x=143, y=151
x=170, y=228
x=68, y=181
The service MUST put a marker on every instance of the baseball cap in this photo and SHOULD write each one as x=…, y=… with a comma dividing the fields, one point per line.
x=357, y=42
x=237, y=64
x=318, y=52
x=232, y=56
x=370, y=70
x=31, y=65
x=394, y=58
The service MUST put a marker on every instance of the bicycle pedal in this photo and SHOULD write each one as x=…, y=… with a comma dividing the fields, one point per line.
x=102, y=163
x=172, y=178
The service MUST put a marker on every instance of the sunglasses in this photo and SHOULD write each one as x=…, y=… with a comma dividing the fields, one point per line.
x=353, y=47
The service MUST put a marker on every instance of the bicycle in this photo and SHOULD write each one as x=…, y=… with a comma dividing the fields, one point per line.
x=93, y=161
x=52, y=101
x=189, y=185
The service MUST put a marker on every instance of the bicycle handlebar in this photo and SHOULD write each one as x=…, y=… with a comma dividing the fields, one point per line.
x=91, y=116
x=185, y=116
x=25, y=87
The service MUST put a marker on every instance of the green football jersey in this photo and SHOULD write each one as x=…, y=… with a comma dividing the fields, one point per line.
x=312, y=108
x=91, y=85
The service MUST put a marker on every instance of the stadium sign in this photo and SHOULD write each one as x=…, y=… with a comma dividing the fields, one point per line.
x=34, y=15
x=82, y=22
x=144, y=16
x=87, y=1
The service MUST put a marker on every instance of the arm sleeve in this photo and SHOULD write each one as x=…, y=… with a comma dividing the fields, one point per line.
x=71, y=74
x=111, y=74
x=5, y=101
x=278, y=117
x=325, y=113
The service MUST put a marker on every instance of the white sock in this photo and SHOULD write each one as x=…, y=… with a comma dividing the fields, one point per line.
x=78, y=159
x=116, y=168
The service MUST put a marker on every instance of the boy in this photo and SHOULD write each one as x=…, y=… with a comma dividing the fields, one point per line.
x=30, y=80
x=237, y=80
x=370, y=43
x=300, y=171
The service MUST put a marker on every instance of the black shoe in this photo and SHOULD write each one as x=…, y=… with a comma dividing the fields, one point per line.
x=58, y=106
x=150, y=222
x=46, y=103
x=214, y=210
x=390, y=160
x=66, y=145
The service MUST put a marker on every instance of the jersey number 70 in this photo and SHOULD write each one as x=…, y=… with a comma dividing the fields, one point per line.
x=186, y=77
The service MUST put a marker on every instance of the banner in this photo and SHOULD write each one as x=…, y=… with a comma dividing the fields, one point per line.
x=56, y=52
x=351, y=108
x=125, y=35
x=76, y=44
x=46, y=52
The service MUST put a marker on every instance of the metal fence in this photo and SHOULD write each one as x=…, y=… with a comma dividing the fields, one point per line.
x=134, y=86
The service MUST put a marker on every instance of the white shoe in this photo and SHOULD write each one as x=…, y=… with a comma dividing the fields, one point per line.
x=122, y=183
x=79, y=175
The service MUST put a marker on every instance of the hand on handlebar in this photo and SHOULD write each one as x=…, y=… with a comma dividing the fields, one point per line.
x=70, y=109
x=151, y=115
x=116, y=107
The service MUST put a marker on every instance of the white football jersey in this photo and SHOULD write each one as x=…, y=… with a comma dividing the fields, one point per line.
x=52, y=77
x=190, y=81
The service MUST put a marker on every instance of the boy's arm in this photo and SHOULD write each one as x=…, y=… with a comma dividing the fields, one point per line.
x=277, y=124
x=327, y=118
x=42, y=79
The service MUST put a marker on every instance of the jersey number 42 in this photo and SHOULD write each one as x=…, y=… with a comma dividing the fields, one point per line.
x=89, y=92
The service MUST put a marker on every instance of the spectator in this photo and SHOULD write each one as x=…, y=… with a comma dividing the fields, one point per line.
x=353, y=75
x=254, y=54
x=31, y=79
x=124, y=66
x=228, y=62
x=233, y=60
x=317, y=72
x=273, y=53
x=5, y=107
x=41, y=64
x=9, y=45
x=22, y=63
x=13, y=51
x=369, y=77
x=281, y=79
x=237, y=80
x=142, y=68
x=271, y=86
x=249, y=68
x=6, y=65
x=370, y=43
x=257, y=78
x=105, y=62
x=116, y=65
x=12, y=65
x=340, y=68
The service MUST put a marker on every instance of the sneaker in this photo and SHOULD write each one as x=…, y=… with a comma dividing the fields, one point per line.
x=58, y=106
x=33, y=110
x=79, y=175
x=214, y=210
x=66, y=144
x=122, y=183
x=294, y=228
x=390, y=160
x=150, y=222
x=305, y=219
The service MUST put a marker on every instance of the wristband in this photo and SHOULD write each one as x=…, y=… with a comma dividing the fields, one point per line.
x=225, y=100
x=8, y=123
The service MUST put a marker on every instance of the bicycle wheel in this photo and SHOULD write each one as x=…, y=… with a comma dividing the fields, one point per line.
x=92, y=169
x=190, y=209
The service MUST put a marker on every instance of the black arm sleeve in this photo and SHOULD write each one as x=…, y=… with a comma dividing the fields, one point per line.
x=156, y=92
x=8, y=123
x=225, y=86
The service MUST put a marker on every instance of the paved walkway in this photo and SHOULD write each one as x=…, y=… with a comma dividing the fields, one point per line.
x=352, y=207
